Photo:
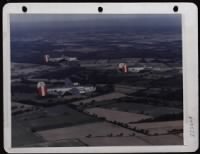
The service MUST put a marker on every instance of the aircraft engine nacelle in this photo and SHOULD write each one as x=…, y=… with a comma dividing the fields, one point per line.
x=123, y=67
x=41, y=89
x=46, y=58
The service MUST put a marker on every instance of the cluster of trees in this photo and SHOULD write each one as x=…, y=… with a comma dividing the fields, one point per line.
x=175, y=131
x=22, y=110
x=110, y=135
x=143, y=131
x=101, y=118
x=85, y=105
x=166, y=117
x=125, y=125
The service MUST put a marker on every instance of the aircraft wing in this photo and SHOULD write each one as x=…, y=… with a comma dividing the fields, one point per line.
x=74, y=91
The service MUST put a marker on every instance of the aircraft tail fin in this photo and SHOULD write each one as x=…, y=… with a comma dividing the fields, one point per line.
x=123, y=67
x=68, y=83
x=46, y=58
x=41, y=89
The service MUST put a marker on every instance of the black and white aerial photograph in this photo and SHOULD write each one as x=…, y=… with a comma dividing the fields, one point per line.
x=85, y=80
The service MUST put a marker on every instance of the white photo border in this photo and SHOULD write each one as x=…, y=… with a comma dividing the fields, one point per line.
x=189, y=15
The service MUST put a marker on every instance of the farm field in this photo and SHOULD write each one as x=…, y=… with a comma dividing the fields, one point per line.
x=97, y=129
x=119, y=116
x=114, y=141
x=127, y=89
x=59, y=143
x=21, y=131
x=142, y=108
x=163, y=139
x=29, y=69
x=109, y=96
x=159, y=127
x=134, y=140
x=31, y=115
x=60, y=116
x=19, y=108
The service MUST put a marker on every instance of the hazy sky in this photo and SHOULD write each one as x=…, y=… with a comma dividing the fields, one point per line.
x=154, y=19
